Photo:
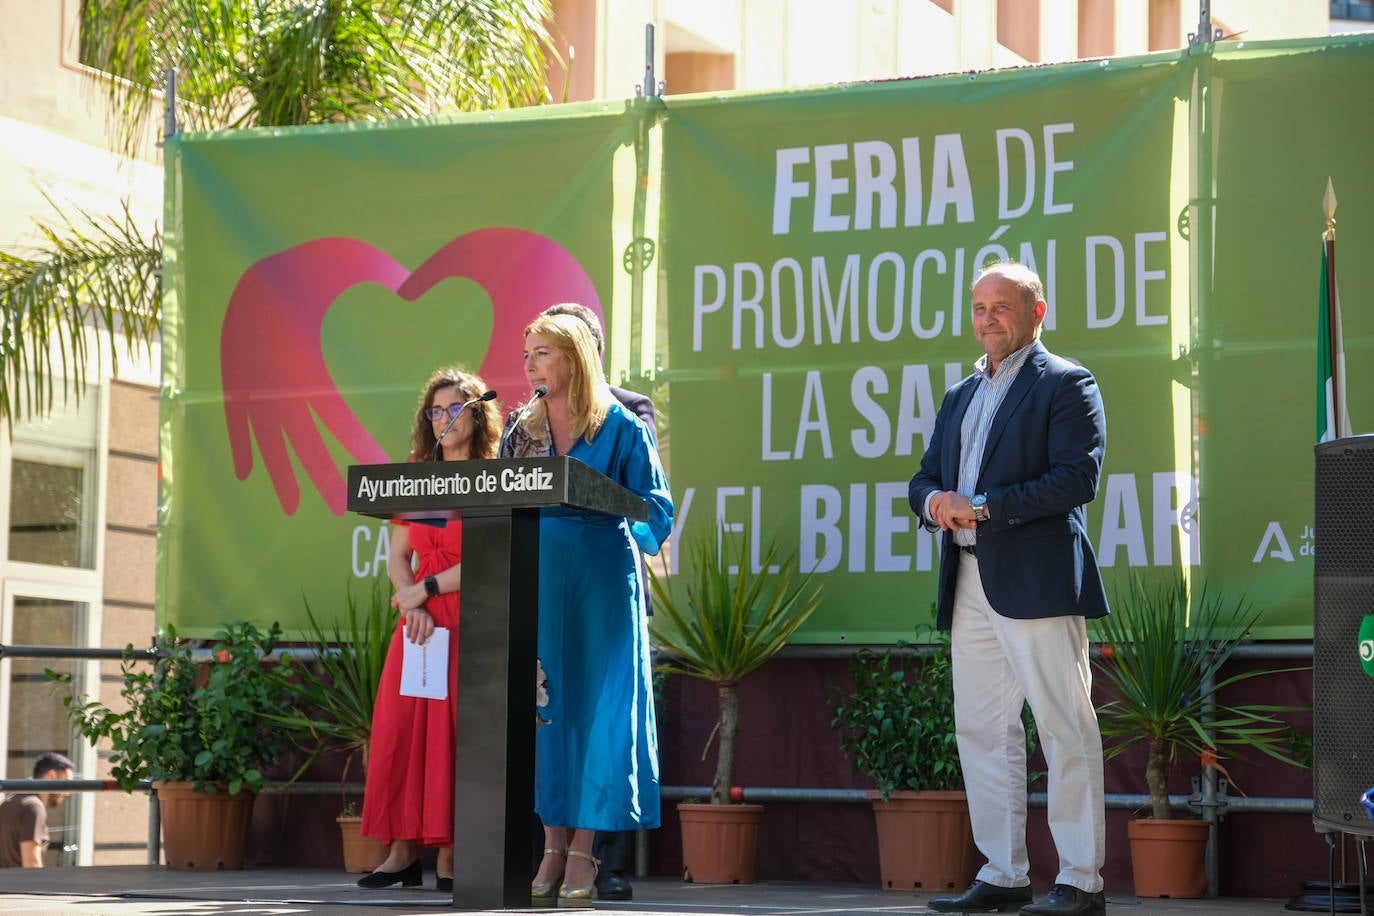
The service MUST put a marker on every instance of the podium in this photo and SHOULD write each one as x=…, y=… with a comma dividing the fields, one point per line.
x=500, y=502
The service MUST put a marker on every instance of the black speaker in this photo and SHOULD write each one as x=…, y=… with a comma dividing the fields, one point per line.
x=1343, y=635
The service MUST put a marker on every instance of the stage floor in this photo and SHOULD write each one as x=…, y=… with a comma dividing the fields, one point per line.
x=130, y=889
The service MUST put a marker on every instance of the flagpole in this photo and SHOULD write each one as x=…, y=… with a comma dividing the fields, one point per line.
x=1335, y=344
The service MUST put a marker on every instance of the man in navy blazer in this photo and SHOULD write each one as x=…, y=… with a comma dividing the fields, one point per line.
x=1015, y=455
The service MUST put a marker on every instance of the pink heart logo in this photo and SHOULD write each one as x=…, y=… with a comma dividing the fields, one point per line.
x=272, y=362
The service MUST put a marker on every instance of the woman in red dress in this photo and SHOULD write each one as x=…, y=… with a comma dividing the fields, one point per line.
x=409, y=798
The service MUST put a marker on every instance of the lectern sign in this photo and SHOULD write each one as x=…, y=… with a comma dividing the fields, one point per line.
x=446, y=489
x=458, y=483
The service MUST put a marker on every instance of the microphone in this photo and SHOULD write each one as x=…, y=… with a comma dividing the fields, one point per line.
x=484, y=396
x=539, y=392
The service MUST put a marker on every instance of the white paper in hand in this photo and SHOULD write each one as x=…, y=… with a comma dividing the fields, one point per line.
x=424, y=669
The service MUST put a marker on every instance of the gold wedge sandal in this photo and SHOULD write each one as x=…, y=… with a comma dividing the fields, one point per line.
x=580, y=897
x=546, y=895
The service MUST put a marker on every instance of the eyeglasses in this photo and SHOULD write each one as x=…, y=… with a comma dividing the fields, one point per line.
x=436, y=414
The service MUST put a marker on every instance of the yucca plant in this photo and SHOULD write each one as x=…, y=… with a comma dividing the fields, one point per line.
x=721, y=625
x=1163, y=654
x=332, y=700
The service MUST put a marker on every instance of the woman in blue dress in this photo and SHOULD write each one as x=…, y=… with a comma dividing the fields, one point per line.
x=596, y=748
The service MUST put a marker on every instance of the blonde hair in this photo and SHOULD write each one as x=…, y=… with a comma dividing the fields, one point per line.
x=589, y=398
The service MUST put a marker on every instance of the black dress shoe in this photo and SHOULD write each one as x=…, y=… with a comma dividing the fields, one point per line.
x=1067, y=900
x=983, y=898
x=443, y=884
x=410, y=876
x=611, y=885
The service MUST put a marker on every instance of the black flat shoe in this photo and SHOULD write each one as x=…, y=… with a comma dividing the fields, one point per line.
x=410, y=876
x=1067, y=900
x=443, y=884
x=611, y=885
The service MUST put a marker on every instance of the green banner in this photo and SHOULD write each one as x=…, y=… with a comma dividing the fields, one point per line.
x=819, y=305
x=795, y=266
x=316, y=277
x=820, y=309
x=1282, y=124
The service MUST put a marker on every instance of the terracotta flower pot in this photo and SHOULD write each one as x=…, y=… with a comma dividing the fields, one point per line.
x=925, y=840
x=719, y=842
x=201, y=831
x=1168, y=857
x=361, y=854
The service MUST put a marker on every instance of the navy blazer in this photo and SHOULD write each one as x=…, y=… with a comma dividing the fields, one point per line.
x=639, y=405
x=1041, y=466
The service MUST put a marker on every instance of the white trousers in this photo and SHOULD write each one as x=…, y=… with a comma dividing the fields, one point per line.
x=999, y=663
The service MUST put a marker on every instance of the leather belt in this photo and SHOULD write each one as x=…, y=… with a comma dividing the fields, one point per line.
x=969, y=549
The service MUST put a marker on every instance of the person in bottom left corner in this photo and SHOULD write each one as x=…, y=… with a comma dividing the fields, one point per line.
x=408, y=800
x=24, y=816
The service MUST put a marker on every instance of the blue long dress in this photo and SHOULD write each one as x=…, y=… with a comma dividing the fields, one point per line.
x=597, y=754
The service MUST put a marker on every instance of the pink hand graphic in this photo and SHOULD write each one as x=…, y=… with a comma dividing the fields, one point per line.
x=272, y=362
x=523, y=273
x=274, y=371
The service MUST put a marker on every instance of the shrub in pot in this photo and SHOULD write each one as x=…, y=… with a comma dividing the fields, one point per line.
x=897, y=726
x=202, y=736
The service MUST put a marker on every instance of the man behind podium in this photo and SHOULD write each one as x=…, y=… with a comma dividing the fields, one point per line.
x=613, y=848
x=596, y=753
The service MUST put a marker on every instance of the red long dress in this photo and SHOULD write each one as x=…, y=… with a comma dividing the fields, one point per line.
x=409, y=792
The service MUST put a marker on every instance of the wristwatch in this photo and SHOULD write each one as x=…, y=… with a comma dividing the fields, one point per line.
x=979, y=504
x=431, y=586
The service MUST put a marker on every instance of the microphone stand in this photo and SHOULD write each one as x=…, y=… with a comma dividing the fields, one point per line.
x=519, y=415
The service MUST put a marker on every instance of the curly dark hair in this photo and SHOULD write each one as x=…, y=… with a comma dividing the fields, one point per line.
x=486, y=416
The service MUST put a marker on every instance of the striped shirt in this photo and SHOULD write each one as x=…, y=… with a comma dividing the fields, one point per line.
x=973, y=432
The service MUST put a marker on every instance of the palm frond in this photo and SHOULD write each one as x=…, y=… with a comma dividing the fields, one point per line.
x=259, y=63
x=94, y=271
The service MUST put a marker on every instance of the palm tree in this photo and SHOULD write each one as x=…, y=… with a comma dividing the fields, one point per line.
x=240, y=63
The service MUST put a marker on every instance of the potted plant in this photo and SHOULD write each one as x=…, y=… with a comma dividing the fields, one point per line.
x=1162, y=655
x=897, y=726
x=722, y=626
x=202, y=735
x=333, y=699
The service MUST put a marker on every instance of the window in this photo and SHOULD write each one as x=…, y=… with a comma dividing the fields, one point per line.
x=37, y=720
x=53, y=489
x=1353, y=9
x=46, y=503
